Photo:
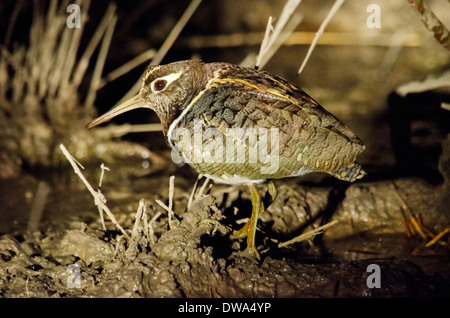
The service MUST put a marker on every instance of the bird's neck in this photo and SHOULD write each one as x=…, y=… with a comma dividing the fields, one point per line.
x=200, y=76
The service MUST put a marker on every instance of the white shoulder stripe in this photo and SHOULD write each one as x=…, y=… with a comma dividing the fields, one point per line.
x=185, y=111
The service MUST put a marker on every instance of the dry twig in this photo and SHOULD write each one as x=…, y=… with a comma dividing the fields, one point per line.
x=191, y=197
x=141, y=211
x=171, y=191
x=99, y=198
x=100, y=211
x=437, y=237
x=310, y=235
x=38, y=205
x=169, y=208
x=202, y=189
x=301, y=38
x=275, y=36
x=151, y=232
x=413, y=224
x=40, y=83
x=128, y=66
x=324, y=24
x=440, y=32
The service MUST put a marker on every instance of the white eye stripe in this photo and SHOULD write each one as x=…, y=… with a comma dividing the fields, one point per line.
x=168, y=78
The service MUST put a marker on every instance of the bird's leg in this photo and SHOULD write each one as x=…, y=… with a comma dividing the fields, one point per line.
x=243, y=231
x=258, y=208
x=273, y=192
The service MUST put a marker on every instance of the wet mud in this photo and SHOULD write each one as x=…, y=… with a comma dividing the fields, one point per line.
x=373, y=250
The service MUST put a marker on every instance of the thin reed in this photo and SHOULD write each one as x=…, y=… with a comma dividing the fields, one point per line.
x=40, y=84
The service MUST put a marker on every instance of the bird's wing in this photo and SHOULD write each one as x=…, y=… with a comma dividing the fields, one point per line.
x=296, y=102
x=257, y=100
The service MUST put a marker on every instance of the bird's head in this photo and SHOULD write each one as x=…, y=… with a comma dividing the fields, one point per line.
x=166, y=89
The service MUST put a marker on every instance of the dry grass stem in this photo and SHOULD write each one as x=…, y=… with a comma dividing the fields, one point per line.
x=437, y=238
x=38, y=205
x=275, y=36
x=171, y=191
x=403, y=205
x=417, y=227
x=141, y=128
x=202, y=189
x=12, y=23
x=169, y=212
x=135, y=233
x=102, y=218
x=216, y=224
x=125, y=68
x=102, y=174
x=242, y=221
x=161, y=204
x=308, y=236
x=191, y=197
x=101, y=59
x=155, y=217
x=322, y=27
x=301, y=38
x=290, y=27
x=414, y=225
x=151, y=232
x=117, y=131
x=100, y=211
x=265, y=44
x=249, y=60
x=99, y=199
x=144, y=218
x=175, y=32
x=83, y=62
x=440, y=32
x=40, y=83
x=445, y=106
x=430, y=83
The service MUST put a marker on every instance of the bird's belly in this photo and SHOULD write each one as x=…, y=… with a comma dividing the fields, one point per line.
x=232, y=179
x=242, y=160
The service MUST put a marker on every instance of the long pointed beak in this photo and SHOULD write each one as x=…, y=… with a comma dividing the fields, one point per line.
x=133, y=103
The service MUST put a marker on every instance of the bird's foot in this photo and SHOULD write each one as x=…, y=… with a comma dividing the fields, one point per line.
x=249, y=253
x=252, y=252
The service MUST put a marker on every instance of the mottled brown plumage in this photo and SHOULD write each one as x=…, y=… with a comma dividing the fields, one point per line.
x=251, y=112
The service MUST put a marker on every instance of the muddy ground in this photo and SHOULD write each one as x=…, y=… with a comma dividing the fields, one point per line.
x=196, y=258
x=67, y=253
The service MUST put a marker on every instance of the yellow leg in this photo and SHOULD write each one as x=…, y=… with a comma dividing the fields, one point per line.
x=258, y=208
x=272, y=190
x=251, y=227
x=240, y=234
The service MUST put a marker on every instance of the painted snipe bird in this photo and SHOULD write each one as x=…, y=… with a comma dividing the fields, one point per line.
x=218, y=117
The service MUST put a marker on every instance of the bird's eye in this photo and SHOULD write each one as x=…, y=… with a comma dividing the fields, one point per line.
x=159, y=85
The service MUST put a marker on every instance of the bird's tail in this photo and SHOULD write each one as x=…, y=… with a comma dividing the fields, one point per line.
x=351, y=173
